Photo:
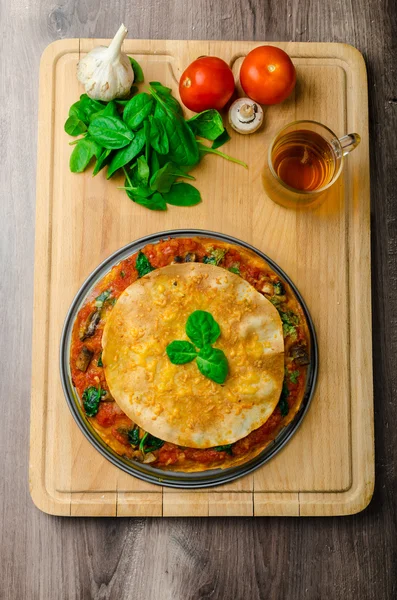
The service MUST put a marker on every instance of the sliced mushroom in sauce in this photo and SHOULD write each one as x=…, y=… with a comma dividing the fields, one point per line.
x=91, y=325
x=84, y=359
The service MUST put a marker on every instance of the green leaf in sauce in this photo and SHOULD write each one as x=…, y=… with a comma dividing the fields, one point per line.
x=290, y=320
x=226, y=448
x=99, y=361
x=91, y=398
x=215, y=257
x=133, y=436
x=101, y=299
x=143, y=265
x=235, y=268
x=293, y=376
x=283, y=403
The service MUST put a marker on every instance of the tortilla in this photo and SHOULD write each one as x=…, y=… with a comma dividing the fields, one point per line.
x=176, y=403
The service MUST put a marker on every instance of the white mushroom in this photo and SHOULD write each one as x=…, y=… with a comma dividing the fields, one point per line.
x=245, y=115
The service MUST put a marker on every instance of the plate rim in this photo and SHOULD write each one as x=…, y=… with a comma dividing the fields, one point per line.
x=178, y=479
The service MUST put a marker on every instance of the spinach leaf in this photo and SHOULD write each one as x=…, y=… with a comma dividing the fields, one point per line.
x=158, y=136
x=290, y=320
x=101, y=299
x=183, y=148
x=146, y=129
x=180, y=352
x=102, y=160
x=162, y=180
x=202, y=328
x=153, y=443
x=110, y=132
x=74, y=126
x=226, y=448
x=215, y=257
x=99, y=360
x=138, y=73
x=235, y=268
x=137, y=109
x=125, y=155
x=283, y=403
x=154, y=162
x=82, y=154
x=207, y=150
x=149, y=443
x=182, y=194
x=143, y=171
x=212, y=363
x=143, y=265
x=91, y=398
x=279, y=289
x=155, y=202
x=160, y=88
x=207, y=124
x=220, y=140
x=293, y=376
x=85, y=108
x=110, y=110
x=133, y=436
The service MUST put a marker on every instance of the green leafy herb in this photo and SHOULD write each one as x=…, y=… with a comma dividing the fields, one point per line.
x=226, y=448
x=99, y=360
x=182, y=194
x=122, y=274
x=143, y=171
x=215, y=257
x=85, y=108
x=138, y=73
x=207, y=124
x=220, y=140
x=74, y=126
x=162, y=180
x=235, y=268
x=137, y=110
x=158, y=136
x=82, y=154
x=153, y=443
x=283, y=403
x=290, y=320
x=181, y=352
x=110, y=110
x=101, y=299
x=143, y=265
x=279, y=289
x=91, y=398
x=207, y=150
x=133, y=436
x=127, y=154
x=155, y=202
x=293, y=376
x=202, y=328
x=212, y=363
x=110, y=132
x=102, y=160
x=142, y=443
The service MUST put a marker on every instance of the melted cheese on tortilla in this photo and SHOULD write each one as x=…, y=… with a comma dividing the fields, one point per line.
x=176, y=402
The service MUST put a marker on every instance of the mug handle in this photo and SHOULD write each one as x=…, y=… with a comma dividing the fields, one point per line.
x=349, y=142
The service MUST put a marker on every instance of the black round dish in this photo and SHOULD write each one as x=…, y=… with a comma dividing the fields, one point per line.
x=146, y=472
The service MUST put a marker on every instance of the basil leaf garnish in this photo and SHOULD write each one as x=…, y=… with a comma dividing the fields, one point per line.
x=180, y=352
x=202, y=328
x=212, y=363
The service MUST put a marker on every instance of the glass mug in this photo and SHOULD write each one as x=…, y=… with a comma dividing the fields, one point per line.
x=304, y=160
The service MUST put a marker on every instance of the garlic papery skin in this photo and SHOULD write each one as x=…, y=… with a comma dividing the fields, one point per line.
x=245, y=115
x=106, y=73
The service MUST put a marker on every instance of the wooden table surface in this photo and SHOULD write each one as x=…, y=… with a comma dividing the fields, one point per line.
x=45, y=557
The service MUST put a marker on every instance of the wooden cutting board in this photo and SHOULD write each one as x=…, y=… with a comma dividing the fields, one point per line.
x=328, y=467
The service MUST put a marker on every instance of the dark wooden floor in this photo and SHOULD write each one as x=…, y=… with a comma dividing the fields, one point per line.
x=49, y=558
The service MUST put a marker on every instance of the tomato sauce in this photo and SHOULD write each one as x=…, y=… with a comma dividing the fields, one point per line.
x=110, y=421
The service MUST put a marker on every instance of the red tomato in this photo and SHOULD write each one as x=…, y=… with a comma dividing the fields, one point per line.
x=208, y=82
x=267, y=75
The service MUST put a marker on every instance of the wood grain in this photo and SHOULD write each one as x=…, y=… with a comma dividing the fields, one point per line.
x=46, y=557
x=330, y=462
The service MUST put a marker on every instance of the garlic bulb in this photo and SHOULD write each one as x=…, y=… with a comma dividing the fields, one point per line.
x=105, y=72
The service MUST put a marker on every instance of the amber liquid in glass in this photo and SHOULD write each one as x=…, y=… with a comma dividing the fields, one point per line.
x=304, y=160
